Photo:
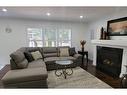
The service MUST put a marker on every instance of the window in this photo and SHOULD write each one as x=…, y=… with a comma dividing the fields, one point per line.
x=49, y=37
x=35, y=37
x=64, y=37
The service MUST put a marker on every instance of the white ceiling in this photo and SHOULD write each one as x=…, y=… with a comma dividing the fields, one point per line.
x=60, y=13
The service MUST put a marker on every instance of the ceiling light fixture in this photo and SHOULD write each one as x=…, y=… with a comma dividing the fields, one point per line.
x=4, y=10
x=81, y=17
x=48, y=14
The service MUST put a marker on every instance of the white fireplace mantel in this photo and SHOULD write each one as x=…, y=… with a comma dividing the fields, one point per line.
x=112, y=43
x=118, y=43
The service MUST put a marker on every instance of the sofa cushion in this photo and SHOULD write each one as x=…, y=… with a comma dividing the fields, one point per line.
x=50, y=55
x=24, y=75
x=17, y=56
x=37, y=63
x=23, y=64
x=64, y=52
x=36, y=55
x=28, y=56
x=72, y=51
x=49, y=50
x=32, y=49
x=48, y=59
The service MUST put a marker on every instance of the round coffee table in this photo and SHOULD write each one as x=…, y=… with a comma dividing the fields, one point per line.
x=64, y=72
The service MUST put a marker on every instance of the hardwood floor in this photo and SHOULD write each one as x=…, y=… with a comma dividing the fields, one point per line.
x=113, y=82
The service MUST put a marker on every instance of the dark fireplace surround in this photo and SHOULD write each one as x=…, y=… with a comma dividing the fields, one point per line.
x=109, y=60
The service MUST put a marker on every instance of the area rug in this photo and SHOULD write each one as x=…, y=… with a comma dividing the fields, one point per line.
x=79, y=79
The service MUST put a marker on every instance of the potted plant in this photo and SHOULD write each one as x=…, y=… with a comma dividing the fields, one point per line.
x=82, y=42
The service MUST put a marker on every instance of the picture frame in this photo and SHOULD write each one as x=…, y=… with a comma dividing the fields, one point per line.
x=117, y=27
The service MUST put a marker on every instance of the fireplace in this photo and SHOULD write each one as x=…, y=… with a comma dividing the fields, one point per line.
x=109, y=60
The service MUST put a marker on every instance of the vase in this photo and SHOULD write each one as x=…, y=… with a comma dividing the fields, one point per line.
x=102, y=33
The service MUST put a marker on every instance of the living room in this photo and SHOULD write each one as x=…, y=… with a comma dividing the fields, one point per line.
x=17, y=24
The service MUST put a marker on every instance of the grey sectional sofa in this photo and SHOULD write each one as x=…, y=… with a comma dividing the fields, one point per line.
x=35, y=73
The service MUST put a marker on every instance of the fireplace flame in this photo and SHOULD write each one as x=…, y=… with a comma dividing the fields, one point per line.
x=108, y=62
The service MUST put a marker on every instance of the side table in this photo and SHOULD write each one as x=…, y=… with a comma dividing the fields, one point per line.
x=83, y=53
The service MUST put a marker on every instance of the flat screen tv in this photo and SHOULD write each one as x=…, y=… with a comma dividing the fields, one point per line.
x=117, y=27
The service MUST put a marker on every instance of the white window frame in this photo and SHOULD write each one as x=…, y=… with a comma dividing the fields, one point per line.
x=28, y=40
x=51, y=40
x=64, y=40
x=43, y=34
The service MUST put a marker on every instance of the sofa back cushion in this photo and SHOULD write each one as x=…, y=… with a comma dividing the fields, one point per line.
x=50, y=52
x=49, y=49
x=19, y=60
x=17, y=56
x=23, y=64
x=32, y=49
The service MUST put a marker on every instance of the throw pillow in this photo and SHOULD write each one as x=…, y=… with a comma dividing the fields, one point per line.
x=28, y=56
x=33, y=49
x=36, y=55
x=72, y=51
x=23, y=64
x=19, y=59
x=64, y=52
x=17, y=56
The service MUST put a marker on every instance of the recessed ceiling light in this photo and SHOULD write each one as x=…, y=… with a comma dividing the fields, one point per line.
x=81, y=17
x=48, y=14
x=4, y=10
